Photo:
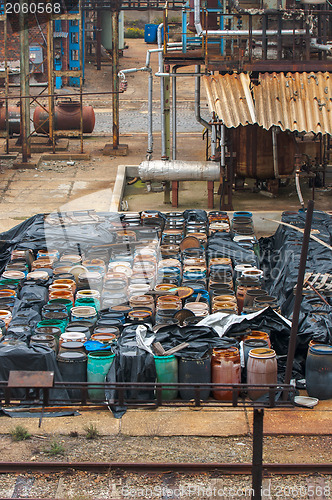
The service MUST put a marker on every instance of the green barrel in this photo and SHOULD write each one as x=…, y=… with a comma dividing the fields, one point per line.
x=99, y=362
x=68, y=303
x=167, y=372
x=88, y=301
x=53, y=322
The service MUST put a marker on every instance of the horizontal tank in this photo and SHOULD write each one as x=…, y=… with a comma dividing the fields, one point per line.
x=254, y=152
x=66, y=117
x=14, y=118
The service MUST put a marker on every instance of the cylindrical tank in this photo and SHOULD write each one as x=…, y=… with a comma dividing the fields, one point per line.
x=14, y=118
x=318, y=371
x=194, y=371
x=99, y=363
x=254, y=152
x=72, y=366
x=66, y=117
x=167, y=371
x=261, y=369
x=106, y=33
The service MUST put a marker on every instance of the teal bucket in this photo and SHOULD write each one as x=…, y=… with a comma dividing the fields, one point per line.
x=99, y=363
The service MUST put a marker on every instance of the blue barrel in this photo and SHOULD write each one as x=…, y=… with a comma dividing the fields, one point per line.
x=150, y=33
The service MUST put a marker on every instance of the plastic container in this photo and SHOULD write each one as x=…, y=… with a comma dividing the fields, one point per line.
x=167, y=372
x=225, y=369
x=319, y=371
x=66, y=302
x=194, y=371
x=99, y=363
x=81, y=313
x=261, y=369
x=73, y=368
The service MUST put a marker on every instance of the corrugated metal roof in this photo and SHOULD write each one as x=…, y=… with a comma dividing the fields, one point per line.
x=230, y=98
x=296, y=101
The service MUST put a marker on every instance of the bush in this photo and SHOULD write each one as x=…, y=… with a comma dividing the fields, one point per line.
x=134, y=33
x=20, y=433
x=91, y=431
x=55, y=449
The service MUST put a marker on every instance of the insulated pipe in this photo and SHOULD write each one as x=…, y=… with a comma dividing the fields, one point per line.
x=213, y=142
x=222, y=146
x=162, y=94
x=298, y=188
x=320, y=46
x=161, y=170
x=275, y=152
x=199, y=30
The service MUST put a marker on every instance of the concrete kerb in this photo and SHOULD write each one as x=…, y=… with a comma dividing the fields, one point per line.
x=120, y=184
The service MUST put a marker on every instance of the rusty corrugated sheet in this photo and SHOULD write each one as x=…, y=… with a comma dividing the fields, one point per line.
x=230, y=98
x=296, y=101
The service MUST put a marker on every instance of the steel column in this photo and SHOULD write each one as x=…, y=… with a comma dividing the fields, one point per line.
x=81, y=42
x=298, y=295
x=24, y=83
x=6, y=81
x=115, y=79
x=257, y=454
x=50, y=76
x=98, y=41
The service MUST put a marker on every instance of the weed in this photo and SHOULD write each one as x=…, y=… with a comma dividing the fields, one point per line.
x=91, y=431
x=55, y=449
x=20, y=433
x=73, y=434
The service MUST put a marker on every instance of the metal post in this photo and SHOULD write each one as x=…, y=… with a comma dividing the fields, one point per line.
x=298, y=295
x=6, y=82
x=81, y=37
x=24, y=83
x=115, y=79
x=98, y=41
x=50, y=76
x=167, y=116
x=174, y=114
x=257, y=454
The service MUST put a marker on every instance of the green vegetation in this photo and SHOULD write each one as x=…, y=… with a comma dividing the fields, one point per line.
x=134, y=33
x=55, y=449
x=20, y=433
x=91, y=431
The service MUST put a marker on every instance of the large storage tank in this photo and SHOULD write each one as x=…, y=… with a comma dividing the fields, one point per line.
x=106, y=33
x=67, y=116
x=254, y=152
x=14, y=118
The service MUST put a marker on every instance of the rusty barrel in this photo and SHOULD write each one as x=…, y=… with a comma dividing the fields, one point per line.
x=14, y=118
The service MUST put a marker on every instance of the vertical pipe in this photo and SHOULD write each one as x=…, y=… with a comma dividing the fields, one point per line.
x=150, y=118
x=275, y=152
x=115, y=79
x=198, y=100
x=213, y=141
x=174, y=114
x=298, y=295
x=6, y=82
x=257, y=454
x=98, y=41
x=167, y=115
x=81, y=37
x=162, y=94
x=24, y=83
x=50, y=77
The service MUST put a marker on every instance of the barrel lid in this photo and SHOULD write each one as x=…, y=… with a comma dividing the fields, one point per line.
x=321, y=349
x=71, y=356
x=262, y=353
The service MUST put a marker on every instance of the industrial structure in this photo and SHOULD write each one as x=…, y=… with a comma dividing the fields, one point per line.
x=265, y=68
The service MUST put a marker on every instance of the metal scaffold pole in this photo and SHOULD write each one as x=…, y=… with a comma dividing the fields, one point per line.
x=81, y=39
x=24, y=83
x=50, y=75
x=115, y=78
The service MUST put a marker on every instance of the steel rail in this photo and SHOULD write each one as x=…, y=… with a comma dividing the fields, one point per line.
x=221, y=468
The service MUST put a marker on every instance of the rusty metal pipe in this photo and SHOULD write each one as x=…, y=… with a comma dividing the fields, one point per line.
x=298, y=295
